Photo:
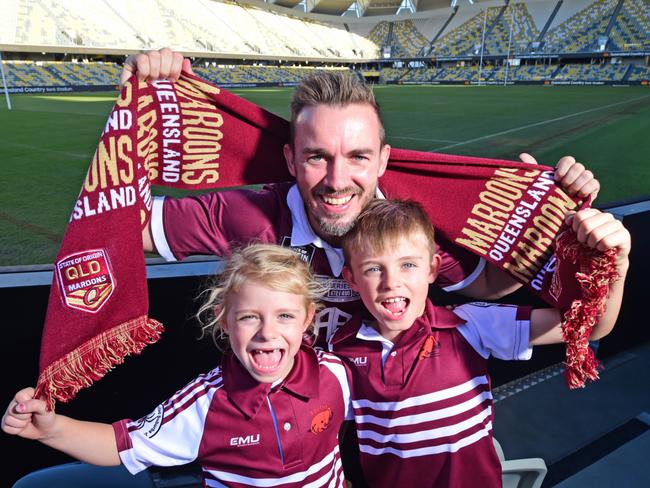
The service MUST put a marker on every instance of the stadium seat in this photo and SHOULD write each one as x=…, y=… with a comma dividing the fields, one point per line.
x=81, y=475
x=521, y=473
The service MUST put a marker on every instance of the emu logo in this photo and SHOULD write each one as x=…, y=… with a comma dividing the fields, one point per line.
x=249, y=440
x=360, y=361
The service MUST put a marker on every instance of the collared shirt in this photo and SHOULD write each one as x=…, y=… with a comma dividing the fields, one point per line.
x=216, y=223
x=246, y=433
x=423, y=405
x=302, y=233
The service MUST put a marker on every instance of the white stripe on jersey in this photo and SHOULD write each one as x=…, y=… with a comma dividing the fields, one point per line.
x=446, y=431
x=184, y=420
x=173, y=405
x=427, y=451
x=335, y=477
x=336, y=367
x=425, y=416
x=177, y=404
x=423, y=399
x=211, y=377
x=268, y=482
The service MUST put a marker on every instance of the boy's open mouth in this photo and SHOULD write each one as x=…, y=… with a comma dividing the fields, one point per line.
x=267, y=360
x=396, y=305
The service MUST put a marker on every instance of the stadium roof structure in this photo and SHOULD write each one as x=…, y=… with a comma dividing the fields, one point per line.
x=369, y=8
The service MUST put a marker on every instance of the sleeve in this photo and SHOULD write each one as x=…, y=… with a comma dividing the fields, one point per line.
x=213, y=223
x=502, y=331
x=341, y=371
x=168, y=436
x=458, y=268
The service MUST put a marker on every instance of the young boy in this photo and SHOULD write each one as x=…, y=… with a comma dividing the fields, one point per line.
x=420, y=389
x=268, y=416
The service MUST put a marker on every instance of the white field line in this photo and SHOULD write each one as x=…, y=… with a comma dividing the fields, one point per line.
x=419, y=139
x=30, y=147
x=536, y=124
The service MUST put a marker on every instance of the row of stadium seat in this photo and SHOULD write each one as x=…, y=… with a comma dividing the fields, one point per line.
x=568, y=72
x=235, y=28
x=580, y=32
x=192, y=25
x=25, y=74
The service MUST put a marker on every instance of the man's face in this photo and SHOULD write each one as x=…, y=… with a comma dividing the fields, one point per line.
x=394, y=283
x=337, y=158
x=265, y=328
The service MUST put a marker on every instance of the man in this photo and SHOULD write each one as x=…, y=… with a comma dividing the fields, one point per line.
x=337, y=154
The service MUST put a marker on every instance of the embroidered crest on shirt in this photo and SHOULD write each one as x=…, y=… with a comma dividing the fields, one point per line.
x=306, y=253
x=429, y=348
x=86, y=280
x=150, y=425
x=320, y=420
x=338, y=290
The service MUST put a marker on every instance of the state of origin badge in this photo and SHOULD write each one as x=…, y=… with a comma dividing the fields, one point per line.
x=86, y=280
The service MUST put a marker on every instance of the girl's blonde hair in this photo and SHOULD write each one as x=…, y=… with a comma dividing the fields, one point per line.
x=269, y=265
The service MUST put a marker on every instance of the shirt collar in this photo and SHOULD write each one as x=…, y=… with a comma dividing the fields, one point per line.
x=433, y=318
x=302, y=233
x=248, y=395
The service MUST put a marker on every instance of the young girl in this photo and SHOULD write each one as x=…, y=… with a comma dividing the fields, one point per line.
x=268, y=416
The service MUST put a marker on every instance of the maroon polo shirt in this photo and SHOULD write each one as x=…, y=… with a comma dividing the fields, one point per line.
x=246, y=433
x=424, y=418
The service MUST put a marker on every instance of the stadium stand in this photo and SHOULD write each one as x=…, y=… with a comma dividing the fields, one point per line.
x=580, y=32
x=446, y=43
x=193, y=26
x=631, y=27
x=409, y=40
x=588, y=72
x=515, y=18
x=465, y=39
x=639, y=73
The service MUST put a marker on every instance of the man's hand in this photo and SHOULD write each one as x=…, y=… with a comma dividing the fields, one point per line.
x=600, y=230
x=572, y=176
x=163, y=64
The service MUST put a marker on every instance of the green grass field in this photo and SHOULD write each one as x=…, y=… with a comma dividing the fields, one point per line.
x=47, y=140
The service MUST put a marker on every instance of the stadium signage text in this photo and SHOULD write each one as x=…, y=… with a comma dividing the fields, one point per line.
x=496, y=225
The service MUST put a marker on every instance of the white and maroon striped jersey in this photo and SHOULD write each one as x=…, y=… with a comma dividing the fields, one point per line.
x=245, y=433
x=423, y=406
x=216, y=223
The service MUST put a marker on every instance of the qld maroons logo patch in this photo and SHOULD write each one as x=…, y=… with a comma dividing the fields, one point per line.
x=86, y=280
x=321, y=420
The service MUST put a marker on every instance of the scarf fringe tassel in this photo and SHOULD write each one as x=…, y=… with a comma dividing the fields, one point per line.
x=597, y=273
x=92, y=360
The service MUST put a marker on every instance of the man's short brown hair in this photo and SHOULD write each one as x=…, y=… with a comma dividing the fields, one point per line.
x=333, y=88
x=383, y=222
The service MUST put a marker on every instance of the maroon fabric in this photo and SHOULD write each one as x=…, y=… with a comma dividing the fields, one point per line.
x=193, y=135
x=433, y=390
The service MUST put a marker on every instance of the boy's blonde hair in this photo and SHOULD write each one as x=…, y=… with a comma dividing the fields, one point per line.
x=269, y=265
x=383, y=222
x=336, y=89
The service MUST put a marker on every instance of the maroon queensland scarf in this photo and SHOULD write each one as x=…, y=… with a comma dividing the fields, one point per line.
x=193, y=135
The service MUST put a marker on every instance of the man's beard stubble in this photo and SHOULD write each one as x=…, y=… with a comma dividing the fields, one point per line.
x=336, y=228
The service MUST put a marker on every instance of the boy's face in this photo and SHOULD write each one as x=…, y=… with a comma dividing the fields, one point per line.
x=394, y=284
x=265, y=328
